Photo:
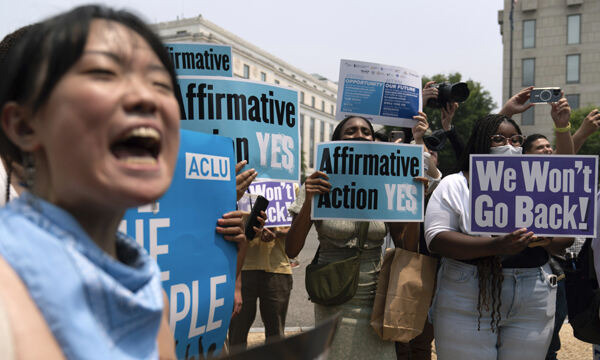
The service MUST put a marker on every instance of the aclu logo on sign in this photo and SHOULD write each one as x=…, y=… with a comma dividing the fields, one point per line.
x=206, y=167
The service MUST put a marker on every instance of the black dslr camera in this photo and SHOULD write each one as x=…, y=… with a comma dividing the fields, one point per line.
x=447, y=92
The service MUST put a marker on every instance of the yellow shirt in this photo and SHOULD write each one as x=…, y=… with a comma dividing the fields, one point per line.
x=268, y=256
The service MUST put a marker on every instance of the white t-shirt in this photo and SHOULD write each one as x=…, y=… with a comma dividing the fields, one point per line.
x=448, y=208
x=13, y=193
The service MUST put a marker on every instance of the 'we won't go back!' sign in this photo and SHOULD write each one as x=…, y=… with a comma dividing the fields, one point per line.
x=551, y=195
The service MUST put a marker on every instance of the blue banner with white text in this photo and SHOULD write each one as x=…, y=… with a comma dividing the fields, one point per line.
x=200, y=59
x=370, y=181
x=261, y=119
x=197, y=265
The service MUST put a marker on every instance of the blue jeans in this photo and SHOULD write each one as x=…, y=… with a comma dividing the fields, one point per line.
x=561, y=314
x=527, y=314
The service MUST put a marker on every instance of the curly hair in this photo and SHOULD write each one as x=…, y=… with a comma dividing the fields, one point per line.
x=489, y=269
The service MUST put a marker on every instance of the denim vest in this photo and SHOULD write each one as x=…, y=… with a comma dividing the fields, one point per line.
x=96, y=307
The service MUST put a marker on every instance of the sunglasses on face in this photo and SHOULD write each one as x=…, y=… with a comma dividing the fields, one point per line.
x=501, y=139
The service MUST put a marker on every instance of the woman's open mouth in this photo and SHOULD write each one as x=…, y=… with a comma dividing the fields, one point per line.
x=141, y=145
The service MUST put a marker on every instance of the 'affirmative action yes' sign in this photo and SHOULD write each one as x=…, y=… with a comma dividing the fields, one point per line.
x=370, y=181
x=551, y=195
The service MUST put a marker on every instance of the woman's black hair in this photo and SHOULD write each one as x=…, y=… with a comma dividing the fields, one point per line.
x=480, y=140
x=337, y=132
x=41, y=58
x=489, y=269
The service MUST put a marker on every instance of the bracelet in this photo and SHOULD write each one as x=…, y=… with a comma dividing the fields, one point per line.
x=563, y=129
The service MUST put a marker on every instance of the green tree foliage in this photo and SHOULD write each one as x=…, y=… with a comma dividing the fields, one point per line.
x=478, y=104
x=592, y=144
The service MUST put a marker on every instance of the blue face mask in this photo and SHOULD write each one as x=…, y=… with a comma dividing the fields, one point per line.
x=507, y=149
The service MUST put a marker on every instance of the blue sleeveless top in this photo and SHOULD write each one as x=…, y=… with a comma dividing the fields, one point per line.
x=96, y=307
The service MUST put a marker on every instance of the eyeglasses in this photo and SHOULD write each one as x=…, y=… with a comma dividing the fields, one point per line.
x=501, y=139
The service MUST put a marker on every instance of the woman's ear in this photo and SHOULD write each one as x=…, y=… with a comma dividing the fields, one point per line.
x=17, y=126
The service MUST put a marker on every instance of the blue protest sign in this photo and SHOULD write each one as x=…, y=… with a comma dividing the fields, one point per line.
x=370, y=181
x=281, y=194
x=384, y=94
x=197, y=265
x=200, y=59
x=262, y=120
x=551, y=195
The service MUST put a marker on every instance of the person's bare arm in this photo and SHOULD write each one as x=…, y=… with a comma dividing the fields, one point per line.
x=316, y=183
x=590, y=124
x=31, y=336
x=165, y=339
x=517, y=103
x=561, y=114
x=457, y=245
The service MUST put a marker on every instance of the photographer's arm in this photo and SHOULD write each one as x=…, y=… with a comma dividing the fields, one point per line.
x=450, y=131
x=561, y=114
x=590, y=124
x=517, y=104
x=418, y=131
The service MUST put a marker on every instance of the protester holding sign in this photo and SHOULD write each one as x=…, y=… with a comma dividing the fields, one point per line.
x=87, y=107
x=338, y=240
x=495, y=295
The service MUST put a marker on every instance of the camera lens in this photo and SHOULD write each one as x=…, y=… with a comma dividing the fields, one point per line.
x=545, y=95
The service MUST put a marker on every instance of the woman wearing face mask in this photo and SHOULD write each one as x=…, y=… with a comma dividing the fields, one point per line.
x=494, y=298
x=88, y=108
x=354, y=339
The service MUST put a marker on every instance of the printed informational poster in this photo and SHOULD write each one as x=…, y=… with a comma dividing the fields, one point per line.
x=261, y=119
x=370, y=181
x=551, y=195
x=201, y=59
x=197, y=264
x=384, y=94
x=281, y=194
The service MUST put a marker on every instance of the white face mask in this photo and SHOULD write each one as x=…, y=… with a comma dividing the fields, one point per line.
x=507, y=149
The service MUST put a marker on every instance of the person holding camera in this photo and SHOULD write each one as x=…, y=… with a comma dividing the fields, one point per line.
x=447, y=108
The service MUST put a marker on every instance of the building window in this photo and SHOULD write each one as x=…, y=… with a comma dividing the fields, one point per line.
x=330, y=130
x=322, y=106
x=322, y=131
x=528, y=72
x=301, y=125
x=573, y=29
x=312, y=101
x=528, y=117
x=573, y=68
x=246, y=71
x=263, y=76
x=311, y=136
x=302, y=97
x=331, y=109
x=528, y=34
x=276, y=82
x=573, y=100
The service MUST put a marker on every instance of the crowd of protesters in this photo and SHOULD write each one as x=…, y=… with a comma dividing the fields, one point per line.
x=77, y=87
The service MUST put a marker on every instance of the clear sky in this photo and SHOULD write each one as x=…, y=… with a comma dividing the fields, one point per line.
x=433, y=36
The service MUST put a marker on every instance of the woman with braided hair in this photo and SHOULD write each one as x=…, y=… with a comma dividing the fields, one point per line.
x=495, y=296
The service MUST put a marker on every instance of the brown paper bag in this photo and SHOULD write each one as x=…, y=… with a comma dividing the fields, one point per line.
x=406, y=283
